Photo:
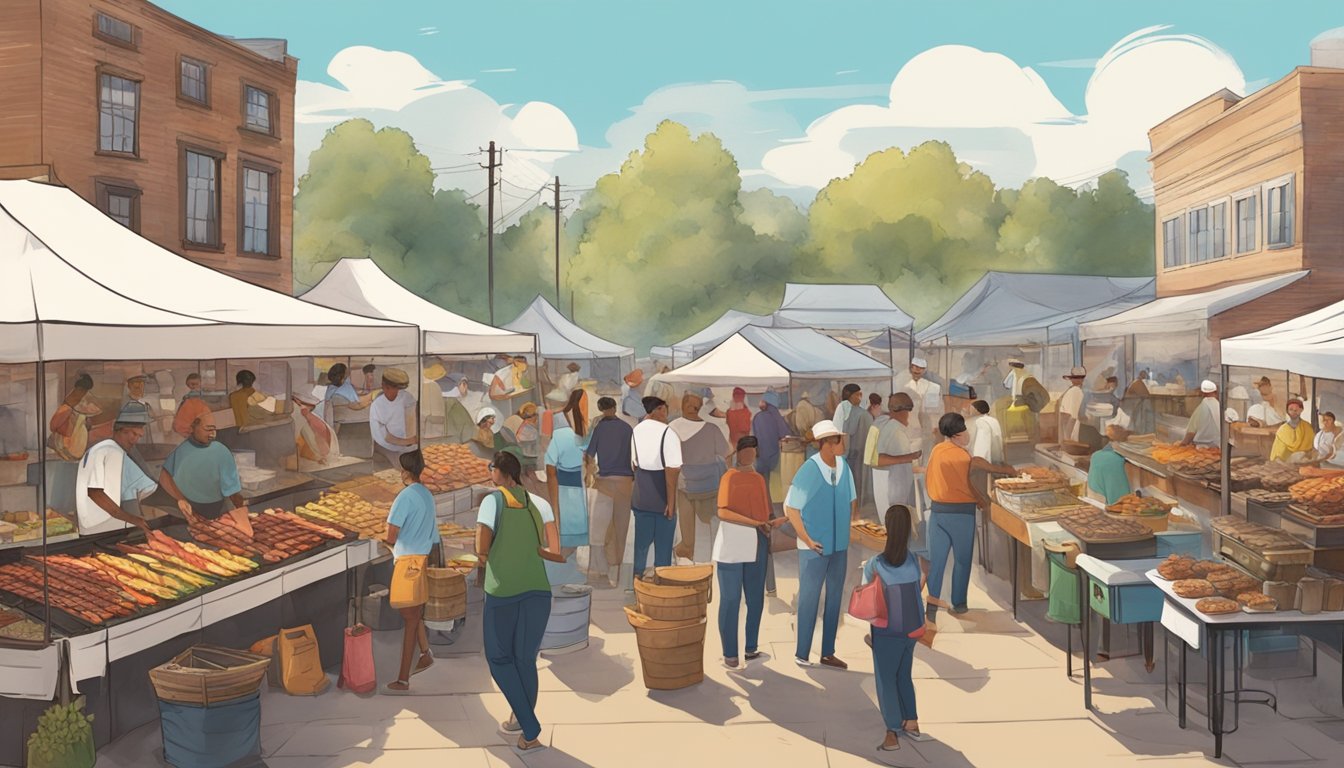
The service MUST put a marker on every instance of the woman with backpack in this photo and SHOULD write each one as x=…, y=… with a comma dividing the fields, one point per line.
x=515, y=533
x=894, y=644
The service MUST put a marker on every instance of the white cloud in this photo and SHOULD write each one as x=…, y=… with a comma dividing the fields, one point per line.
x=449, y=120
x=506, y=69
x=1004, y=119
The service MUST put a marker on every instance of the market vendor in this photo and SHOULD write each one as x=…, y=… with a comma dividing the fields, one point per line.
x=69, y=424
x=134, y=392
x=1069, y=408
x=1138, y=405
x=314, y=439
x=632, y=405
x=1295, y=438
x=1206, y=423
x=192, y=406
x=246, y=401
x=202, y=477
x=1264, y=413
x=392, y=418
x=108, y=478
x=341, y=395
x=1329, y=442
x=1029, y=398
x=927, y=397
x=1106, y=474
x=487, y=431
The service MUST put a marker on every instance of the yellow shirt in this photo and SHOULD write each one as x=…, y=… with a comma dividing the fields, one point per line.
x=1288, y=441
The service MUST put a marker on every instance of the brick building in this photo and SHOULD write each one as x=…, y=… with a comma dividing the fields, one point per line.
x=185, y=136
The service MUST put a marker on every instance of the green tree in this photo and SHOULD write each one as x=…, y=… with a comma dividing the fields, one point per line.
x=664, y=249
x=918, y=224
x=772, y=215
x=1101, y=231
x=370, y=193
x=525, y=263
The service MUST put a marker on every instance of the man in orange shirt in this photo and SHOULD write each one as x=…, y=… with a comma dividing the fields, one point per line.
x=952, y=517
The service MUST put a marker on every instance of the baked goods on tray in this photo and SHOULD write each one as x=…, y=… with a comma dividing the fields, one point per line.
x=1255, y=536
x=1093, y=525
x=1139, y=506
x=1257, y=602
x=1214, y=606
x=1231, y=583
x=1177, y=567
x=1193, y=588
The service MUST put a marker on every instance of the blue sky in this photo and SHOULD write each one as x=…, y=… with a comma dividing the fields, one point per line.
x=596, y=60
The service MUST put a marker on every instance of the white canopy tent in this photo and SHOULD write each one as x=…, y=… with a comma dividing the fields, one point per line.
x=1005, y=309
x=80, y=286
x=772, y=357
x=713, y=335
x=1311, y=345
x=841, y=308
x=1178, y=314
x=560, y=339
x=359, y=286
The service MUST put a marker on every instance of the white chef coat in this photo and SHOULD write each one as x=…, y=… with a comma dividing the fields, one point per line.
x=1071, y=403
x=1206, y=422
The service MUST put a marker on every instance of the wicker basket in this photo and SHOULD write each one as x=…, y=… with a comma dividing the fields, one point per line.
x=447, y=594
x=699, y=576
x=670, y=602
x=671, y=653
x=205, y=675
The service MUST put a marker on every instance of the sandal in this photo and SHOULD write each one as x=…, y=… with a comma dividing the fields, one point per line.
x=398, y=688
x=891, y=744
x=511, y=725
x=422, y=666
x=916, y=735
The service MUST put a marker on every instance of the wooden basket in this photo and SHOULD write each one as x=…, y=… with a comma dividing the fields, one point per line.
x=205, y=675
x=447, y=594
x=699, y=576
x=671, y=653
x=668, y=602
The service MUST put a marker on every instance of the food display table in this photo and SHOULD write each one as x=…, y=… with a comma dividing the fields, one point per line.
x=1210, y=633
x=1023, y=534
x=1121, y=593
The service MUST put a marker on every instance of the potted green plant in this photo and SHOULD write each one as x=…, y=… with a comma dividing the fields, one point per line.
x=63, y=739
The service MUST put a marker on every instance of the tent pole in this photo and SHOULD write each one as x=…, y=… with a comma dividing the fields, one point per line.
x=892, y=355
x=1225, y=470
x=42, y=493
x=1315, y=407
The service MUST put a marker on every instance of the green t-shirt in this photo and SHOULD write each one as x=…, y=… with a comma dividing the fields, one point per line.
x=513, y=565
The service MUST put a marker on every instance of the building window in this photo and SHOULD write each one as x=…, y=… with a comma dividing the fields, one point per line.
x=118, y=114
x=114, y=30
x=257, y=109
x=1172, y=255
x=1218, y=228
x=1201, y=237
x=259, y=216
x=1246, y=227
x=120, y=202
x=192, y=84
x=200, y=187
x=1279, y=213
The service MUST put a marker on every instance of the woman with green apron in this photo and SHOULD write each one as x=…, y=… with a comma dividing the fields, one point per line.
x=515, y=535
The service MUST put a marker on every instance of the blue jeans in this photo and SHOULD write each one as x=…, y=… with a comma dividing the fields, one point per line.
x=813, y=571
x=653, y=528
x=953, y=531
x=893, y=660
x=736, y=579
x=513, y=628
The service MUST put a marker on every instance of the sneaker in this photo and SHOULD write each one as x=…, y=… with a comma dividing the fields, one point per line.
x=614, y=576
x=803, y=662
x=731, y=663
x=511, y=725
x=751, y=655
x=833, y=662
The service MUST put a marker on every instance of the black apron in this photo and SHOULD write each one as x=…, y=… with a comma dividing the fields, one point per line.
x=650, y=491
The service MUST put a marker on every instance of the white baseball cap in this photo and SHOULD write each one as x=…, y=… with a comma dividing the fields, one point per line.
x=919, y=362
x=1207, y=387
x=825, y=428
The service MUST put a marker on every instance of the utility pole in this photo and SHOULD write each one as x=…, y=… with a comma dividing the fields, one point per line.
x=490, y=229
x=557, y=240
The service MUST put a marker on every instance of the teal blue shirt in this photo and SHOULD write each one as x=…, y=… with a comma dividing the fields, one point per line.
x=413, y=514
x=1107, y=475
x=824, y=502
x=204, y=473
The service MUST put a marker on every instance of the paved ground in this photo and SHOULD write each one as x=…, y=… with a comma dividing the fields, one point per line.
x=992, y=691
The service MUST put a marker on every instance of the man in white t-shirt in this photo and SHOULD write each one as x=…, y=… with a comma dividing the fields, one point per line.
x=1070, y=409
x=1205, y=425
x=108, y=477
x=986, y=434
x=927, y=397
x=392, y=418
x=655, y=452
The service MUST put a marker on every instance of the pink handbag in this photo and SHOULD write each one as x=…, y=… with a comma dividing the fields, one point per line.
x=357, y=673
x=868, y=602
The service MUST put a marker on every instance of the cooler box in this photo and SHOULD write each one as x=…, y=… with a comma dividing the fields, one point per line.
x=1119, y=590
x=210, y=737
